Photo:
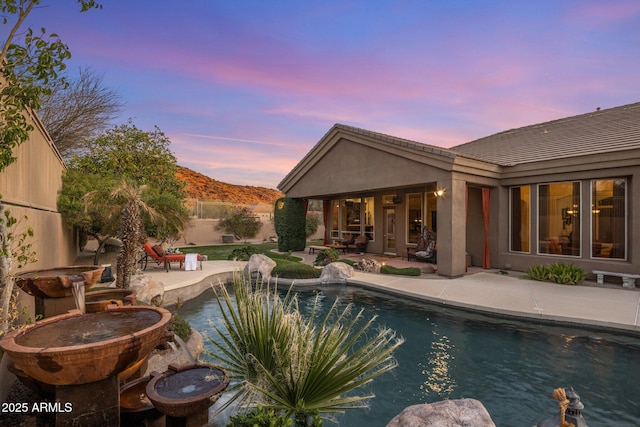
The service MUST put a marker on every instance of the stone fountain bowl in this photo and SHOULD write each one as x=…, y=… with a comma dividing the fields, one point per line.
x=77, y=348
x=186, y=389
x=99, y=300
x=56, y=282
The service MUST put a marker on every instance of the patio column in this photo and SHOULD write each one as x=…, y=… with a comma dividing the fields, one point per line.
x=452, y=228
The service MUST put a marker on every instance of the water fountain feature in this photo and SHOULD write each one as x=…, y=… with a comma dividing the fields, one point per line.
x=52, y=288
x=185, y=393
x=81, y=356
x=99, y=300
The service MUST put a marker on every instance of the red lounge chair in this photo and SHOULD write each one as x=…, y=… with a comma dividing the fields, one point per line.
x=158, y=254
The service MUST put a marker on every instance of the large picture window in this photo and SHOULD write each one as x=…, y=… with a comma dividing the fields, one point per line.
x=559, y=218
x=520, y=226
x=609, y=218
x=353, y=216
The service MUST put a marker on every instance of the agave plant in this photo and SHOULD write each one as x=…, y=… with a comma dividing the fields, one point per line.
x=295, y=365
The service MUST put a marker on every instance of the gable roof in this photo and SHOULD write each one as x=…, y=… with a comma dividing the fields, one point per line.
x=381, y=141
x=601, y=131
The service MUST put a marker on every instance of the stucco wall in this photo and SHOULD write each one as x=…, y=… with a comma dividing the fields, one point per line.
x=203, y=232
x=30, y=187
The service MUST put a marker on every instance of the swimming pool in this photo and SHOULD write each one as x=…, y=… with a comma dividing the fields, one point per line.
x=511, y=366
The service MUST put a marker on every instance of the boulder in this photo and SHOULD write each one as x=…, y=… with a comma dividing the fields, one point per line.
x=368, y=265
x=448, y=413
x=336, y=272
x=260, y=264
x=148, y=290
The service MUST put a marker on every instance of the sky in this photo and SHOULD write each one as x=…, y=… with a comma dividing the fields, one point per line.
x=244, y=89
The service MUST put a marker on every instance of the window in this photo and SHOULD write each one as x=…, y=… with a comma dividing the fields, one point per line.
x=414, y=217
x=335, y=209
x=520, y=200
x=559, y=218
x=368, y=217
x=609, y=218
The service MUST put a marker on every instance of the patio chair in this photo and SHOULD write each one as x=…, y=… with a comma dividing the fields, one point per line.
x=157, y=254
x=359, y=244
x=426, y=249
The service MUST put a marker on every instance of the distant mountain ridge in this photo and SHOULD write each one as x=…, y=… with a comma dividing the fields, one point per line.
x=199, y=186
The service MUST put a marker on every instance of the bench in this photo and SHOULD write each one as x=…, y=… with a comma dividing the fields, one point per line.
x=628, y=279
x=313, y=248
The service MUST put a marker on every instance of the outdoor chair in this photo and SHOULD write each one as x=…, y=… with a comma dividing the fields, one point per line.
x=426, y=249
x=359, y=244
x=160, y=257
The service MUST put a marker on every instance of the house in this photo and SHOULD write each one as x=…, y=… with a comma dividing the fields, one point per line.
x=564, y=190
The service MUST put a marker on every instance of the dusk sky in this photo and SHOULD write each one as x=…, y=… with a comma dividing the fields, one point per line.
x=245, y=88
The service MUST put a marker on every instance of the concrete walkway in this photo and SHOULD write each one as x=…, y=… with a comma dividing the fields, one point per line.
x=481, y=290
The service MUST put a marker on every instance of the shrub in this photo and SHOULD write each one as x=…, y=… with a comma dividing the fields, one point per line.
x=408, y=271
x=261, y=417
x=180, y=327
x=243, y=253
x=538, y=272
x=294, y=270
x=326, y=256
x=290, y=223
x=565, y=274
x=241, y=223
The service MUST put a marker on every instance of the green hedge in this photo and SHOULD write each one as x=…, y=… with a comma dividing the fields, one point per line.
x=290, y=224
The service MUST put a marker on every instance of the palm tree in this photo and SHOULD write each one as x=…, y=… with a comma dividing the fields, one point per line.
x=297, y=366
x=131, y=231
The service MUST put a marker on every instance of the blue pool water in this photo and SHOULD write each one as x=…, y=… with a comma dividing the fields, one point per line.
x=512, y=367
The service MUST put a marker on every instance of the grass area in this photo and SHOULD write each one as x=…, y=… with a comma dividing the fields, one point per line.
x=287, y=266
x=222, y=252
x=408, y=271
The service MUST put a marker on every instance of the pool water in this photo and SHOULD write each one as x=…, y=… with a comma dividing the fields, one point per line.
x=511, y=366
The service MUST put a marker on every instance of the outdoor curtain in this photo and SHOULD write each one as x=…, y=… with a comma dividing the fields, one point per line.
x=486, y=205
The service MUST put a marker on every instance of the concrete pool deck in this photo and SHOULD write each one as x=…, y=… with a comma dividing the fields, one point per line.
x=612, y=308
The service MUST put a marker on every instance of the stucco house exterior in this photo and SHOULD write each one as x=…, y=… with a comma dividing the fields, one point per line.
x=564, y=190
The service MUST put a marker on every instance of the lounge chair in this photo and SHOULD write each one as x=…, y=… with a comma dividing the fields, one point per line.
x=359, y=244
x=157, y=254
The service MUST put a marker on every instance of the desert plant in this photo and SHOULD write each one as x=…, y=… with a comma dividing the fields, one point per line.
x=537, y=272
x=241, y=223
x=298, y=367
x=326, y=256
x=566, y=274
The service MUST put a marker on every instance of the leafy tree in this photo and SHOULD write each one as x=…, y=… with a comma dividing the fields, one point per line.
x=123, y=153
x=241, y=223
x=29, y=61
x=28, y=69
x=78, y=111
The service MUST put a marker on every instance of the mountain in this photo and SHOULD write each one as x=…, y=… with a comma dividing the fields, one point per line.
x=199, y=186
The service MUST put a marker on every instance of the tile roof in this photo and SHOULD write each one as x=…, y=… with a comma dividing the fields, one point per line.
x=601, y=131
x=394, y=140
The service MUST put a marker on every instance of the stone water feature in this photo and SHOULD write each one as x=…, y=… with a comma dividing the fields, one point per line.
x=184, y=393
x=81, y=356
x=53, y=289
